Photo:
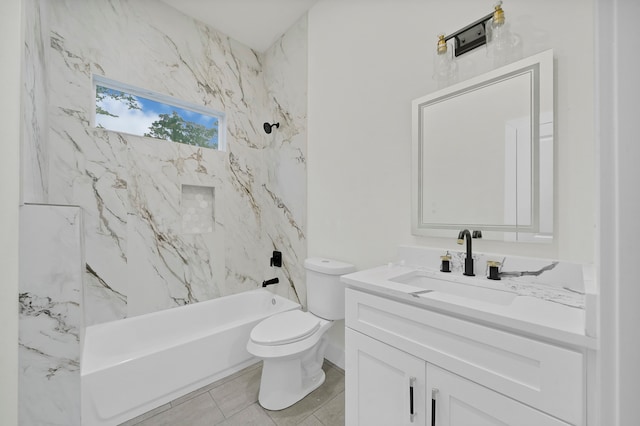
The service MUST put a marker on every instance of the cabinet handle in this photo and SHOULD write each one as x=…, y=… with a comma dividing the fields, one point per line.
x=412, y=414
x=434, y=399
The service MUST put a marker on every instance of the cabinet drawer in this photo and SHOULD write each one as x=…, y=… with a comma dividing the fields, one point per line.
x=541, y=375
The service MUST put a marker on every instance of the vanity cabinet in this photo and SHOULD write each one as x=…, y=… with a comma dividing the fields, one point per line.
x=405, y=361
x=387, y=384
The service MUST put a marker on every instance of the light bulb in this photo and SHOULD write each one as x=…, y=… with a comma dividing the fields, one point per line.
x=444, y=68
x=501, y=43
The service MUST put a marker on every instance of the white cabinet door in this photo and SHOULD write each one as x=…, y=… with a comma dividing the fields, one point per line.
x=384, y=385
x=460, y=402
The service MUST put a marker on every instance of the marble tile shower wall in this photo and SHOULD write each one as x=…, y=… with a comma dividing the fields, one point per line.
x=35, y=161
x=50, y=322
x=137, y=258
x=285, y=76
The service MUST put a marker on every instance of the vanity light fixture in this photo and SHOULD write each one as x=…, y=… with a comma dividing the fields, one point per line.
x=473, y=35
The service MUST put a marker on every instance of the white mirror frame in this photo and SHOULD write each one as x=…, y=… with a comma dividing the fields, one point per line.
x=540, y=69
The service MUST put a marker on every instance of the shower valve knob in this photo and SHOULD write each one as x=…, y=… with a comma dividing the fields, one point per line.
x=276, y=259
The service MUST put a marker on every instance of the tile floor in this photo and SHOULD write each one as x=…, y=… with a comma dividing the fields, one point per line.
x=234, y=401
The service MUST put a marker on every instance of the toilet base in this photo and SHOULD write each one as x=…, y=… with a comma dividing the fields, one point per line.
x=285, y=382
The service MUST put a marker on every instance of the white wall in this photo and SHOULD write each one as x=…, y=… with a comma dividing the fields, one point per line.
x=619, y=209
x=10, y=48
x=368, y=60
x=628, y=154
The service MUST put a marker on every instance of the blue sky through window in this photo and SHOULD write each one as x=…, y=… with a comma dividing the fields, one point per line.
x=120, y=111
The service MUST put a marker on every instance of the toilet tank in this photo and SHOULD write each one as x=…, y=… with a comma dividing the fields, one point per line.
x=325, y=291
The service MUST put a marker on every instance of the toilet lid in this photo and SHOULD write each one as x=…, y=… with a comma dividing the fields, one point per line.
x=287, y=327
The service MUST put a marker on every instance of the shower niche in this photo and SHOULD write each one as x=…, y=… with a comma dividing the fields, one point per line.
x=197, y=209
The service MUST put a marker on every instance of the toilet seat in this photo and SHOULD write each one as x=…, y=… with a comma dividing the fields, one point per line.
x=284, y=328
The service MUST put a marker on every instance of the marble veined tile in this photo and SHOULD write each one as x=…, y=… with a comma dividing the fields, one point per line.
x=101, y=190
x=50, y=316
x=35, y=160
x=125, y=239
x=138, y=257
x=174, y=268
x=285, y=74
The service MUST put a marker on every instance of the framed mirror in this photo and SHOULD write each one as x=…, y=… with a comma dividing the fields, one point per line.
x=482, y=155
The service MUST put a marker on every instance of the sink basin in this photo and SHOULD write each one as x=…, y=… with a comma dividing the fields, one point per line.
x=468, y=291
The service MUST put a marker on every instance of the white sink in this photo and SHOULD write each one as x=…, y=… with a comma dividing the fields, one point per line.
x=430, y=284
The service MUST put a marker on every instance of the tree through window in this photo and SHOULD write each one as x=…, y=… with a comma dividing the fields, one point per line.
x=123, y=109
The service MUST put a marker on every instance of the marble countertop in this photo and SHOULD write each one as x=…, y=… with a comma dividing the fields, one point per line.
x=553, y=313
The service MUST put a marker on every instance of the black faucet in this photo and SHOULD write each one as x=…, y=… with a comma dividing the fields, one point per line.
x=269, y=282
x=468, y=261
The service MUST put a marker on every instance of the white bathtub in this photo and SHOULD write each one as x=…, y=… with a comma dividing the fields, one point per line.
x=134, y=365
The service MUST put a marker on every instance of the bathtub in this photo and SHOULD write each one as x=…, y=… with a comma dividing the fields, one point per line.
x=133, y=365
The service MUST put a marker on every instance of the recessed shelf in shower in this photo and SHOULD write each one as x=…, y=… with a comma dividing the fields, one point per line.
x=196, y=209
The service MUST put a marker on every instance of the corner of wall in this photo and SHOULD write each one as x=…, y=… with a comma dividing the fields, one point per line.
x=11, y=39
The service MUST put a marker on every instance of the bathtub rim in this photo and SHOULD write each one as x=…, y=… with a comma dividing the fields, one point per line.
x=90, y=366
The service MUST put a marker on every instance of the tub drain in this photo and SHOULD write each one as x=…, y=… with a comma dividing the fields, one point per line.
x=273, y=301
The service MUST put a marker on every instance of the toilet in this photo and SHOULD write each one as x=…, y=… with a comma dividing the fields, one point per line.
x=292, y=344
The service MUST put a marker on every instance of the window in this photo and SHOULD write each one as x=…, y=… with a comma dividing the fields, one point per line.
x=126, y=109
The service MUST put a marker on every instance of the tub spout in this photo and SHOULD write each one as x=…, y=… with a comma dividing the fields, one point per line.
x=269, y=282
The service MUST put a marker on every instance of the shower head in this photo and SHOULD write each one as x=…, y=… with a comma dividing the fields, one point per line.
x=267, y=127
